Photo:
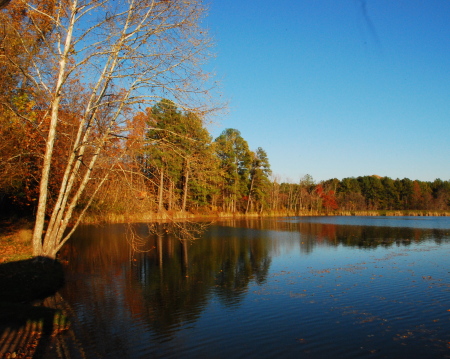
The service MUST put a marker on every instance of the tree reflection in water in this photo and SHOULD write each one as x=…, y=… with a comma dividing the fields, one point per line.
x=130, y=300
x=167, y=278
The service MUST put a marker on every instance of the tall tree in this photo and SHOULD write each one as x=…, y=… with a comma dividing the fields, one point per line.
x=200, y=163
x=163, y=155
x=235, y=160
x=259, y=180
x=123, y=53
x=177, y=144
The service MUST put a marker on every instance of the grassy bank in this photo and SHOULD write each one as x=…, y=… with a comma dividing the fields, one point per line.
x=165, y=216
x=15, y=240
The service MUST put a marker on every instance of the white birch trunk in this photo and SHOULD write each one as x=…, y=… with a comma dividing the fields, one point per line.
x=124, y=53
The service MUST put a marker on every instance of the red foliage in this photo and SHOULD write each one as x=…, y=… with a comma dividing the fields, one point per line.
x=328, y=198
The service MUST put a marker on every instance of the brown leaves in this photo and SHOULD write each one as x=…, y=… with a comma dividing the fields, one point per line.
x=13, y=250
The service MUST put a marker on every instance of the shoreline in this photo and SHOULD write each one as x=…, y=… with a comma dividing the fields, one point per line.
x=15, y=241
x=179, y=216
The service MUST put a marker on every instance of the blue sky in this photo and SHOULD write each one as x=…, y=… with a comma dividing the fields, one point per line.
x=337, y=88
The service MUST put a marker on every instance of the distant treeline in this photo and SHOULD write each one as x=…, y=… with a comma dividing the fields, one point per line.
x=168, y=163
x=364, y=193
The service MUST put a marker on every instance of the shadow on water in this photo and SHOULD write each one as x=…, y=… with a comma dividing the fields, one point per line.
x=27, y=319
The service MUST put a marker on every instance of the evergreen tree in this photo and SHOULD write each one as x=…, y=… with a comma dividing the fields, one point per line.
x=235, y=160
x=259, y=180
x=178, y=150
x=392, y=200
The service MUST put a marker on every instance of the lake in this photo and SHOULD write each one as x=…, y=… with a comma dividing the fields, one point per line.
x=312, y=287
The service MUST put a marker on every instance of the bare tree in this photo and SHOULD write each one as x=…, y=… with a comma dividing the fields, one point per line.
x=123, y=53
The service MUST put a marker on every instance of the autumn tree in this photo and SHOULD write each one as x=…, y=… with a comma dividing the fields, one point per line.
x=306, y=190
x=122, y=53
x=327, y=197
x=22, y=119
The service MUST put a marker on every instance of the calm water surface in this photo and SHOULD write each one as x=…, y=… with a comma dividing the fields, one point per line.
x=298, y=287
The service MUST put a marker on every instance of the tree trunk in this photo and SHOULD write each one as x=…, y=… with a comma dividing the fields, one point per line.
x=250, y=194
x=160, y=190
x=185, y=186
x=50, y=141
x=43, y=188
x=170, y=195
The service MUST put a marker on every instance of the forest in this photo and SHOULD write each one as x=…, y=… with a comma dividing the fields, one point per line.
x=103, y=114
x=170, y=163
